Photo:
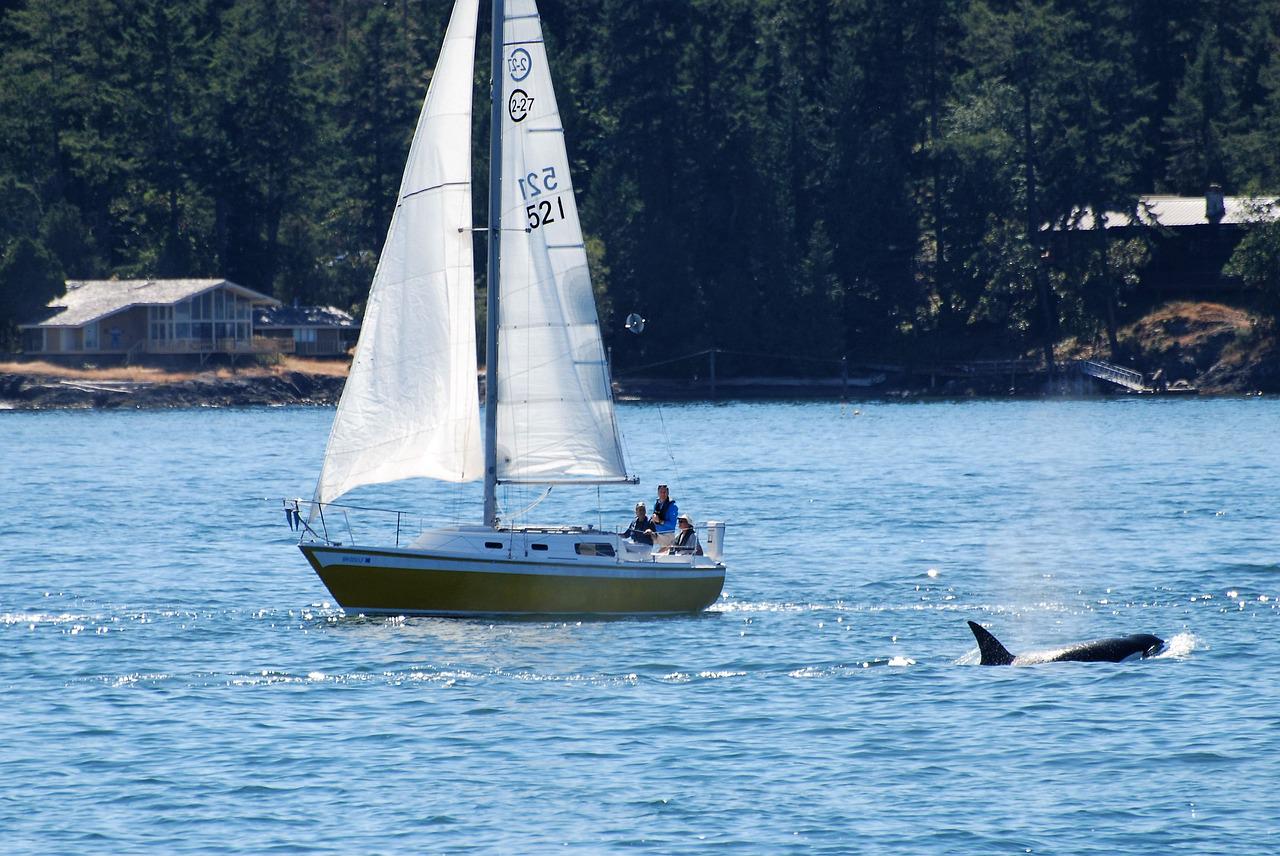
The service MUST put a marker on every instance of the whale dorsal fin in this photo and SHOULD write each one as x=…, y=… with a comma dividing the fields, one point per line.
x=989, y=647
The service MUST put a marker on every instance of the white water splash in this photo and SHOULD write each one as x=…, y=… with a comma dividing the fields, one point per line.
x=1180, y=646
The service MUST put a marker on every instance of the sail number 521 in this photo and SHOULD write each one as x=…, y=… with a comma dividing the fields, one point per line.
x=535, y=184
x=542, y=213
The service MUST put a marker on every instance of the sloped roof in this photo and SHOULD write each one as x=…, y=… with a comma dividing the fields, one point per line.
x=88, y=300
x=1174, y=211
x=279, y=317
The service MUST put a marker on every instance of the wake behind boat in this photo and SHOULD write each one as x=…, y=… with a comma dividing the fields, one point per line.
x=410, y=405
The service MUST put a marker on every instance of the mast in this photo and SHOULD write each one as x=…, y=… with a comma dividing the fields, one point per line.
x=491, y=285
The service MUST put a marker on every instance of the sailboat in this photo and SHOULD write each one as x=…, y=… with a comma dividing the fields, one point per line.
x=410, y=407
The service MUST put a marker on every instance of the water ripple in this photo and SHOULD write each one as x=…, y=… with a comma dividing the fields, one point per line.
x=176, y=679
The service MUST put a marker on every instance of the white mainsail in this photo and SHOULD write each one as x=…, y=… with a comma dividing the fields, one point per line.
x=410, y=407
x=555, y=407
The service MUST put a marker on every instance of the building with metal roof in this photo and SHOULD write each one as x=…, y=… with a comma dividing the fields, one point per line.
x=1174, y=212
x=149, y=316
x=1190, y=238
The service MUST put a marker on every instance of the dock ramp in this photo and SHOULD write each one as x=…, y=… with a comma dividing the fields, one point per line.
x=1118, y=375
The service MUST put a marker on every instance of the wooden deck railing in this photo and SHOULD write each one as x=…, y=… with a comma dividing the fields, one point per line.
x=256, y=345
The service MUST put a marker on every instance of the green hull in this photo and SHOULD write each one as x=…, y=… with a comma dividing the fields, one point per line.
x=402, y=583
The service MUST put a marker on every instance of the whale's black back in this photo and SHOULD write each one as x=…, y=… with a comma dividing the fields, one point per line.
x=1110, y=650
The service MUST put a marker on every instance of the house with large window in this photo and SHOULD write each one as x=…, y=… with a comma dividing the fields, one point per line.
x=320, y=331
x=150, y=316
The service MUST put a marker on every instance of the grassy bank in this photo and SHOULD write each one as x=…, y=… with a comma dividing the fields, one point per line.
x=151, y=374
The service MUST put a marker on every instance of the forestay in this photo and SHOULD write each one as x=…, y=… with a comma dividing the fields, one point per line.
x=555, y=406
x=411, y=403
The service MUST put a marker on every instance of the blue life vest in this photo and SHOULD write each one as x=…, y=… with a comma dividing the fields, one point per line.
x=667, y=513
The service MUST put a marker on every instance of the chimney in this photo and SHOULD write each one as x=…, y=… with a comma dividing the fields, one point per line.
x=1215, y=207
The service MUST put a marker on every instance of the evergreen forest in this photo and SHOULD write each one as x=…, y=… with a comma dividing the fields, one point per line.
x=818, y=178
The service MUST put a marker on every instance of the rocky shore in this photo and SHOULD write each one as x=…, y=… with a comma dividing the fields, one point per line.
x=20, y=391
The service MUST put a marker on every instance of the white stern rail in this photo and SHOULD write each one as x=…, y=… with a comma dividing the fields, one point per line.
x=346, y=525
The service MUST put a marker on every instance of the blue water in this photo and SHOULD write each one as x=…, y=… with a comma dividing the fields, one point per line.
x=174, y=676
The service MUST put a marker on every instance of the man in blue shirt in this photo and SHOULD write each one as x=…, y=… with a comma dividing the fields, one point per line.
x=665, y=513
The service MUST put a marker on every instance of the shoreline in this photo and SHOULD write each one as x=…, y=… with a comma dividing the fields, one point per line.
x=1182, y=348
x=98, y=390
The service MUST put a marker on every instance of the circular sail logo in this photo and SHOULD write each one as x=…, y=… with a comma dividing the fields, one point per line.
x=519, y=105
x=519, y=64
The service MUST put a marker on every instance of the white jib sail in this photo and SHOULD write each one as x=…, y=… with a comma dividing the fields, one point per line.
x=410, y=407
x=555, y=405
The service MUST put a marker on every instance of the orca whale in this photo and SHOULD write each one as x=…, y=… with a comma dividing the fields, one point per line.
x=1110, y=650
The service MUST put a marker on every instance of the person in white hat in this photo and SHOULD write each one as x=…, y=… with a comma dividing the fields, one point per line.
x=686, y=539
